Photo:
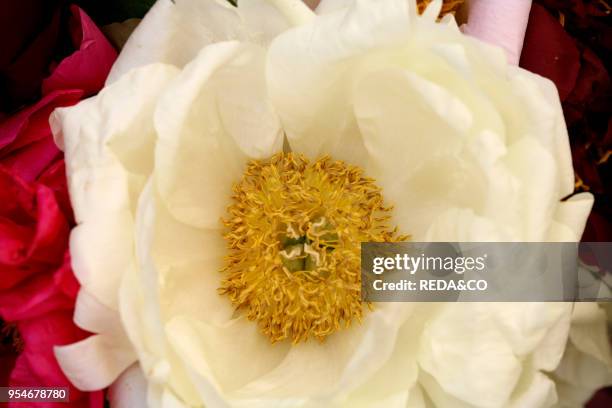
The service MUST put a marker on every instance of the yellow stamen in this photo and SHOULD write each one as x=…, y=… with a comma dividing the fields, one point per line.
x=293, y=233
x=448, y=6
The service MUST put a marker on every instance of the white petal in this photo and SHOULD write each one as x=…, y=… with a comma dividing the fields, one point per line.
x=189, y=269
x=108, y=142
x=93, y=316
x=433, y=10
x=543, y=117
x=329, y=6
x=210, y=122
x=229, y=356
x=539, y=190
x=309, y=77
x=324, y=372
x=578, y=376
x=129, y=390
x=462, y=225
x=572, y=214
x=589, y=331
x=394, y=384
x=534, y=390
x=192, y=24
x=109, y=355
x=262, y=19
x=469, y=357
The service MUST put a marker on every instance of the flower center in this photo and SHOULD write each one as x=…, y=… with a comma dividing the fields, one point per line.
x=294, y=234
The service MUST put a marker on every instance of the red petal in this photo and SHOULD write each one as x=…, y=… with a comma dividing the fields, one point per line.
x=549, y=51
x=29, y=162
x=55, y=178
x=32, y=123
x=34, y=231
x=87, y=67
x=36, y=297
x=26, y=65
x=37, y=366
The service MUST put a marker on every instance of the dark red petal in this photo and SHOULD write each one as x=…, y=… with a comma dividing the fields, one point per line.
x=549, y=51
x=20, y=79
x=88, y=67
x=32, y=123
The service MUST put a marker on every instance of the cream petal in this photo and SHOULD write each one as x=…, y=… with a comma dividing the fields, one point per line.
x=543, y=117
x=93, y=316
x=330, y=6
x=169, y=400
x=469, y=356
x=189, y=269
x=514, y=342
x=572, y=214
x=212, y=120
x=99, y=163
x=463, y=225
x=589, y=331
x=139, y=295
x=437, y=395
x=193, y=24
x=304, y=62
x=578, y=376
x=414, y=132
x=534, y=390
x=539, y=331
x=547, y=355
x=228, y=355
x=100, y=250
x=322, y=373
x=539, y=192
x=143, y=316
x=394, y=384
x=262, y=20
x=432, y=11
x=110, y=355
x=129, y=390
x=156, y=286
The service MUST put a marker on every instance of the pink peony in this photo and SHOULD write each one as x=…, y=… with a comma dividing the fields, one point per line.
x=37, y=286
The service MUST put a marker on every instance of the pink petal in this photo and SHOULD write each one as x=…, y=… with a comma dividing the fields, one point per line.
x=499, y=22
x=37, y=366
x=86, y=68
x=33, y=230
x=28, y=163
x=54, y=177
x=39, y=295
x=32, y=123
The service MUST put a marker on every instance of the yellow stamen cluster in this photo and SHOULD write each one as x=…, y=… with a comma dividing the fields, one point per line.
x=293, y=233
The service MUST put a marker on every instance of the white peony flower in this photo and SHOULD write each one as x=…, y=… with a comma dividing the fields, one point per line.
x=189, y=132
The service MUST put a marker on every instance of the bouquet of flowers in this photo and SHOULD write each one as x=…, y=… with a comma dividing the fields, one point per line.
x=181, y=213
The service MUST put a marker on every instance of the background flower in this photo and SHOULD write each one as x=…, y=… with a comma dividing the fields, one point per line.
x=58, y=54
x=570, y=42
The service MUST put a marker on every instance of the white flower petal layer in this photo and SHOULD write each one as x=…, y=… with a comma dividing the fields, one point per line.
x=217, y=109
x=465, y=147
x=173, y=32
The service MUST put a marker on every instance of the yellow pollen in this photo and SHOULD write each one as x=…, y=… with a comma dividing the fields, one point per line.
x=294, y=230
